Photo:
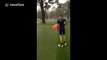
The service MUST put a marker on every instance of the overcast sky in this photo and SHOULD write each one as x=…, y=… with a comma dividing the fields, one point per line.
x=61, y=1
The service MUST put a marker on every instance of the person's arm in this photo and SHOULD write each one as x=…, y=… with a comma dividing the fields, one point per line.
x=58, y=24
x=65, y=21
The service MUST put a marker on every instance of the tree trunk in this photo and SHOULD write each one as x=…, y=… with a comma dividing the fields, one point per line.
x=42, y=12
x=46, y=14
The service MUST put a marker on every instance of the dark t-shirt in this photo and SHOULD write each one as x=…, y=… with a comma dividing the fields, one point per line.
x=61, y=21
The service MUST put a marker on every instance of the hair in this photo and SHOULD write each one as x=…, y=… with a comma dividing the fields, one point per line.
x=60, y=15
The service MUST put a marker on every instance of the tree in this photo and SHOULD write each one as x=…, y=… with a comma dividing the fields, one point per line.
x=47, y=10
x=64, y=9
x=53, y=14
x=67, y=9
x=45, y=5
x=39, y=15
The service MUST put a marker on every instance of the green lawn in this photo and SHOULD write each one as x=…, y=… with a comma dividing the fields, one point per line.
x=47, y=40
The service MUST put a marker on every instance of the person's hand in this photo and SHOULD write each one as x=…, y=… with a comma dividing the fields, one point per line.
x=58, y=27
x=65, y=23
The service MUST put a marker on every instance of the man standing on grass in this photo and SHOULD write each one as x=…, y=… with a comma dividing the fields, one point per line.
x=61, y=22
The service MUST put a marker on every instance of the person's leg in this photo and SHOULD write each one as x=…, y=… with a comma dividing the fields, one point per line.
x=61, y=37
x=64, y=37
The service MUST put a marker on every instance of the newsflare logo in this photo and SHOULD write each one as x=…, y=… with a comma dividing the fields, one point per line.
x=18, y=4
x=6, y=5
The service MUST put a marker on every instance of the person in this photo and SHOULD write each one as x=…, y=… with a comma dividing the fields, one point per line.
x=61, y=22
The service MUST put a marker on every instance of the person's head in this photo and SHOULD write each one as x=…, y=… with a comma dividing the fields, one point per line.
x=60, y=16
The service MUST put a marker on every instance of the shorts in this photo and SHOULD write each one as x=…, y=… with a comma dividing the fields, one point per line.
x=62, y=32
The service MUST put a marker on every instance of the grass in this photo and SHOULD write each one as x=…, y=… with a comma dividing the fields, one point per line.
x=47, y=40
